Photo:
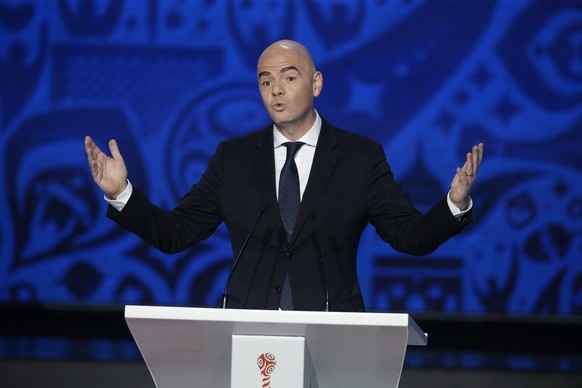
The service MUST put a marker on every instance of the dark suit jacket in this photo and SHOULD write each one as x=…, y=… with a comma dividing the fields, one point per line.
x=350, y=184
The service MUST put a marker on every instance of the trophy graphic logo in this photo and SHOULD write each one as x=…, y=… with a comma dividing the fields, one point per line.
x=266, y=363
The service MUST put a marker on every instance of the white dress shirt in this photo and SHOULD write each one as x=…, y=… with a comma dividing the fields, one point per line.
x=303, y=157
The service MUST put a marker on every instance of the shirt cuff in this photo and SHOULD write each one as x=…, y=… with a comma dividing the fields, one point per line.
x=120, y=202
x=458, y=213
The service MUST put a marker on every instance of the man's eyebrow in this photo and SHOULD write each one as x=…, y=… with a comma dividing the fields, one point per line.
x=286, y=69
x=283, y=70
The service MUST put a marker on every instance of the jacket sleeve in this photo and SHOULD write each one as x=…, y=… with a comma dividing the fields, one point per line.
x=396, y=219
x=195, y=218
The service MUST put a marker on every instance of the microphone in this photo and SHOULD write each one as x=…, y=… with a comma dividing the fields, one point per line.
x=262, y=209
x=321, y=262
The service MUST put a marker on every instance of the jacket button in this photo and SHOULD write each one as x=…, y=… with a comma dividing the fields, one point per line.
x=290, y=255
x=277, y=290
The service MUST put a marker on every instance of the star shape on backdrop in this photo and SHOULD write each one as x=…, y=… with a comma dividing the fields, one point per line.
x=506, y=109
x=481, y=77
x=365, y=98
x=445, y=120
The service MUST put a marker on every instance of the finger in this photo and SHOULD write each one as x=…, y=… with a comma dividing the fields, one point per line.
x=114, y=149
x=462, y=172
x=91, y=149
x=92, y=156
x=89, y=144
x=478, y=151
x=468, y=168
x=474, y=159
x=477, y=156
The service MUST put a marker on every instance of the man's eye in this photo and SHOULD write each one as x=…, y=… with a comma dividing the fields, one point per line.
x=266, y=83
x=291, y=78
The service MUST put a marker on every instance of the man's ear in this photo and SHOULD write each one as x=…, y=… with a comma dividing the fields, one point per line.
x=317, y=83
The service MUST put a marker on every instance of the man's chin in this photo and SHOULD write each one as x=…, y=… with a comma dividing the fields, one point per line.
x=279, y=118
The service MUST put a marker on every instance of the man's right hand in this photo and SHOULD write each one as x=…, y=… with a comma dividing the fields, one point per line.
x=109, y=173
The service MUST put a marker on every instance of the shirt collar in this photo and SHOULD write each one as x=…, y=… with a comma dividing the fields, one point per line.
x=310, y=138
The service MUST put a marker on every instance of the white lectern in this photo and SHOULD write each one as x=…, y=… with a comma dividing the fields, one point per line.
x=198, y=347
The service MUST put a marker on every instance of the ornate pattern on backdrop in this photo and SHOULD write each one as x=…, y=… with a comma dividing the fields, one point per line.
x=170, y=79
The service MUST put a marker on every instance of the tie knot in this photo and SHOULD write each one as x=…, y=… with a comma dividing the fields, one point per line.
x=292, y=148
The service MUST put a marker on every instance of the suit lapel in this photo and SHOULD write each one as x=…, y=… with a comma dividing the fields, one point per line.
x=324, y=162
x=263, y=161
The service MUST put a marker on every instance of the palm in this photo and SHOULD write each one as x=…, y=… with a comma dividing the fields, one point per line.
x=460, y=189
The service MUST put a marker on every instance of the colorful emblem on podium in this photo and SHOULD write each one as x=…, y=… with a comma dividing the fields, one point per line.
x=266, y=363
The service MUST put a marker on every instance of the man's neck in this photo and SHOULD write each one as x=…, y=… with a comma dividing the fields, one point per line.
x=296, y=132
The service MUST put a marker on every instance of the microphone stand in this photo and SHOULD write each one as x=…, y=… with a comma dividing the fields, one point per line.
x=322, y=263
x=225, y=295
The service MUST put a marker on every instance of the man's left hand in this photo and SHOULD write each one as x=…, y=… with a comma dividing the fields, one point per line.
x=465, y=177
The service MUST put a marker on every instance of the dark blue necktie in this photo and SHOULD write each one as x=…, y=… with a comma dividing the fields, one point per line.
x=289, y=201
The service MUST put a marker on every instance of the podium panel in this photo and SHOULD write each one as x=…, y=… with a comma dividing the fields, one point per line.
x=192, y=347
x=269, y=361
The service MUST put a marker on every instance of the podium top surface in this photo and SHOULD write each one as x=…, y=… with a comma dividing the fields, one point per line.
x=278, y=322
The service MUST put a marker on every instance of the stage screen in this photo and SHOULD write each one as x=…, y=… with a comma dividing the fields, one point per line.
x=171, y=79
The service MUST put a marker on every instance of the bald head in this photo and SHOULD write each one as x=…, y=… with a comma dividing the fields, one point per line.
x=289, y=47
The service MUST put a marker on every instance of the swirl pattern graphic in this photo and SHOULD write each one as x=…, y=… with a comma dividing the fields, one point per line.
x=170, y=79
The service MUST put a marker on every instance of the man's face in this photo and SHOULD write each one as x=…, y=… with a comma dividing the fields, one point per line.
x=288, y=84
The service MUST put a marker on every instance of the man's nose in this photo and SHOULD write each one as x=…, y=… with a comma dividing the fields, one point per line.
x=278, y=89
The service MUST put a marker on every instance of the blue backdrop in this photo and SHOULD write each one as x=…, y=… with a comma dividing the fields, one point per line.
x=170, y=79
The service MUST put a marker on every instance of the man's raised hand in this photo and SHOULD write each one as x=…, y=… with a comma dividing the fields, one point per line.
x=465, y=177
x=109, y=173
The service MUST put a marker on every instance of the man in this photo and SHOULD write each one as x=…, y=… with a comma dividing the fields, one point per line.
x=294, y=224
